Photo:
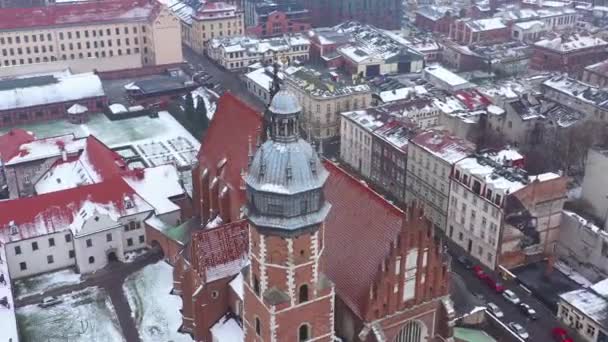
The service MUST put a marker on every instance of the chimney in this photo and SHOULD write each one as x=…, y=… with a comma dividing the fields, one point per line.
x=64, y=155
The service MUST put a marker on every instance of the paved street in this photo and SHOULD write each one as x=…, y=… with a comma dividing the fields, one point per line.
x=230, y=81
x=111, y=279
x=539, y=330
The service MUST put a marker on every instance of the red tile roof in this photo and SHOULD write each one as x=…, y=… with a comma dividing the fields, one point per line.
x=11, y=141
x=87, y=12
x=233, y=124
x=104, y=161
x=54, y=211
x=358, y=232
x=220, y=246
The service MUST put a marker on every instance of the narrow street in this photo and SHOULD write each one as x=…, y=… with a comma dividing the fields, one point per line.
x=539, y=330
x=229, y=80
x=111, y=279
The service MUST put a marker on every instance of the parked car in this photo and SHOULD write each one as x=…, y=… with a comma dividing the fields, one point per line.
x=464, y=261
x=511, y=296
x=49, y=301
x=519, y=330
x=527, y=310
x=494, y=285
x=495, y=310
x=560, y=335
x=479, y=272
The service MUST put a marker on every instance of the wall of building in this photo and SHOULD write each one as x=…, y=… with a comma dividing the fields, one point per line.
x=204, y=30
x=595, y=183
x=388, y=165
x=36, y=261
x=166, y=48
x=595, y=78
x=356, y=147
x=237, y=60
x=572, y=62
x=585, y=326
x=75, y=65
x=97, y=230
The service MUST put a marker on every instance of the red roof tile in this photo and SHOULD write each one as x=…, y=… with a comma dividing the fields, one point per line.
x=220, y=246
x=11, y=141
x=358, y=232
x=233, y=124
x=87, y=12
x=106, y=162
x=57, y=209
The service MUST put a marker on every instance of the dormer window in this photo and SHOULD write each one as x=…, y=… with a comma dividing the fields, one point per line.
x=14, y=229
x=128, y=202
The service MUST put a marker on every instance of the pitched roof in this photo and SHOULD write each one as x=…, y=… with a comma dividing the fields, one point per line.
x=221, y=251
x=88, y=12
x=233, y=124
x=54, y=211
x=359, y=229
x=11, y=141
x=444, y=145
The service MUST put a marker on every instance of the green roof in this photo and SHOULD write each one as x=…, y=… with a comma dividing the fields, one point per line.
x=183, y=232
x=472, y=335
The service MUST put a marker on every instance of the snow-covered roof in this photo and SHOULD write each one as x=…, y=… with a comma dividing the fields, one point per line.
x=227, y=329
x=77, y=109
x=118, y=108
x=445, y=76
x=47, y=148
x=488, y=175
x=441, y=144
x=402, y=93
x=157, y=185
x=526, y=25
x=487, y=24
x=254, y=46
x=8, y=321
x=237, y=285
x=592, y=302
x=507, y=154
x=571, y=43
x=48, y=89
x=262, y=77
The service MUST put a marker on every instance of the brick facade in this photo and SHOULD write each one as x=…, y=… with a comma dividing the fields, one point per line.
x=440, y=25
x=278, y=23
x=573, y=62
x=462, y=33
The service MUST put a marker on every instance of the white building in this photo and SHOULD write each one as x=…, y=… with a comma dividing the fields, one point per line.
x=430, y=158
x=356, y=140
x=89, y=225
x=528, y=31
x=239, y=52
x=595, y=183
x=501, y=216
x=586, y=311
x=445, y=79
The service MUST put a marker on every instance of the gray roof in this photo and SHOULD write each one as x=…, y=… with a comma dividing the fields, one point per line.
x=285, y=102
x=286, y=168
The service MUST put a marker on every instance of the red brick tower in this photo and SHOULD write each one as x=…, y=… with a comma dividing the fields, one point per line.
x=287, y=296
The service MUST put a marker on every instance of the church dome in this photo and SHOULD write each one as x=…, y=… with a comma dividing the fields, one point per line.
x=285, y=102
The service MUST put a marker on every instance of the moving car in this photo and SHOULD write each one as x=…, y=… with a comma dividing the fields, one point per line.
x=495, y=285
x=49, y=301
x=479, y=272
x=511, y=296
x=527, y=310
x=464, y=261
x=519, y=330
x=560, y=335
x=495, y=310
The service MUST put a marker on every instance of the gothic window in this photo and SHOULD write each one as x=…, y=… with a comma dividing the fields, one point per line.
x=256, y=285
x=411, y=262
x=304, y=333
x=303, y=295
x=411, y=332
x=258, y=326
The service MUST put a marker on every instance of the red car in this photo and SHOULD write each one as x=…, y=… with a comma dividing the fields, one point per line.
x=560, y=335
x=479, y=272
x=494, y=285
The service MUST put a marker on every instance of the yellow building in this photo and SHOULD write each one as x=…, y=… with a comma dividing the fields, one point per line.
x=210, y=20
x=108, y=35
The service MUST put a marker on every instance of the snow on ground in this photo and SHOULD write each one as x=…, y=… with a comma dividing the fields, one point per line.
x=158, y=140
x=131, y=256
x=8, y=323
x=42, y=283
x=83, y=316
x=205, y=93
x=572, y=274
x=155, y=310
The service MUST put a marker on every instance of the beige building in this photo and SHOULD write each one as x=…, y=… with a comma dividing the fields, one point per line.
x=88, y=36
x=430, y=158
x=356, y=140
x=324, y=95
x=239, y=52
x=210, y=20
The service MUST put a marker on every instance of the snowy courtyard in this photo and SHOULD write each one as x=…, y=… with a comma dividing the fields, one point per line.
x=155, y=310
x=42, y=283
x=82, y=316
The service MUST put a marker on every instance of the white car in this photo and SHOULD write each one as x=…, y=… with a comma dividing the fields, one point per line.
x=49, y=301
x=495, y=310
x=519, y=330
x=511, y=297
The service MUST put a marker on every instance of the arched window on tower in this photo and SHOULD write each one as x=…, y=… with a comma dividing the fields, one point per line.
x=411, y=332
x=258, y=326
x=256, y=285
x=303, y=294
x=304, y=333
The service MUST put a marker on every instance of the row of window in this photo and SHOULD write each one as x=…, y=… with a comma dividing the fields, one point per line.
x=34, y=38
x=72, y=56
x=89, y=242
x=489, y=256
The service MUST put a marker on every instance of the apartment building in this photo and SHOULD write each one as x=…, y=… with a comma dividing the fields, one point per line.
x=577, y=95
x=109, y=35
x=201, y=22
x=431, y=156
x=568, y=53
x=324, y=95
x=584, y=311
x=236, y=53
x=501, y=216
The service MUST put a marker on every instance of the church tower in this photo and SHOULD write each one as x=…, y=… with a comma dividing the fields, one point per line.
x=287, y=296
